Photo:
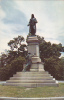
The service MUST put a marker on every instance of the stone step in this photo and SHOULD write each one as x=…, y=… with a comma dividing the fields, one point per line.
x=43, y=72
x=31, y=78
x=36, y=70
x=31, y=75
x=30, y=81
x=25, y=73
x=31, y=85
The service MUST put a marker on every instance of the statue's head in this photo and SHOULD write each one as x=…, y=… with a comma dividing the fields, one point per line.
x=32, y=16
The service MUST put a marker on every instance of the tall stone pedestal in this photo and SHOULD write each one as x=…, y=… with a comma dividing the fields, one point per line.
x=33, y=48
x=37, y=76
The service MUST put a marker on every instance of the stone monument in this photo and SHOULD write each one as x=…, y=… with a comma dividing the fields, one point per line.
x=36, y=76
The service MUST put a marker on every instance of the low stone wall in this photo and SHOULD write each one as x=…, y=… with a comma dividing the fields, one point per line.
x=49, y=98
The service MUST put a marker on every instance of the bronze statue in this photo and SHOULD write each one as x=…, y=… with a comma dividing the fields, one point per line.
x=32, y=25
x=28, y=62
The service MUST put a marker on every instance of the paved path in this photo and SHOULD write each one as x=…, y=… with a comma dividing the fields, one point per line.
x=1, y=82
x=60, y=81
x=49, y=98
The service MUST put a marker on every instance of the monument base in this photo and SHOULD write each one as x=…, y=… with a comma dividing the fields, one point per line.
x=36, y=59
x=37, y=76
x=36, y=67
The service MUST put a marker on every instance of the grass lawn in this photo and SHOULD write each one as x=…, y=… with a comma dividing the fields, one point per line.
x=13, y=91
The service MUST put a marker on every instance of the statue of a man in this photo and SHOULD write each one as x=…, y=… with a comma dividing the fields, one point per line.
x=32, y=25
x=28, y=62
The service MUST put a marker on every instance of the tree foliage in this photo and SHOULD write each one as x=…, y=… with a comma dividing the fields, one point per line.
x=50, y=54
x=47, y=50
x=54, y=66
x=15, y=66
x=17, y=49
x=16, y=42
x=3, y=60
x=41, y=39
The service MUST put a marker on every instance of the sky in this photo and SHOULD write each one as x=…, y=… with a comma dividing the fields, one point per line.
x=15, y=15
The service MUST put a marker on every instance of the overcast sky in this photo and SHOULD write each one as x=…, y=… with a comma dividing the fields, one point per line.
x=15, y=15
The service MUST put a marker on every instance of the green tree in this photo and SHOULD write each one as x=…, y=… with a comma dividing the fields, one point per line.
x=41, y=39
x=15, y=66
x=3, y=60
x=62, y=64
x=50, y=54
x=47, y=50
x=16, y=43
x=54, y=66
x=17, y=63
x=17, y=48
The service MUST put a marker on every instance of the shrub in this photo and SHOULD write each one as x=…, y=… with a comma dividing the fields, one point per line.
x=15, y=66
x=54, y=66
